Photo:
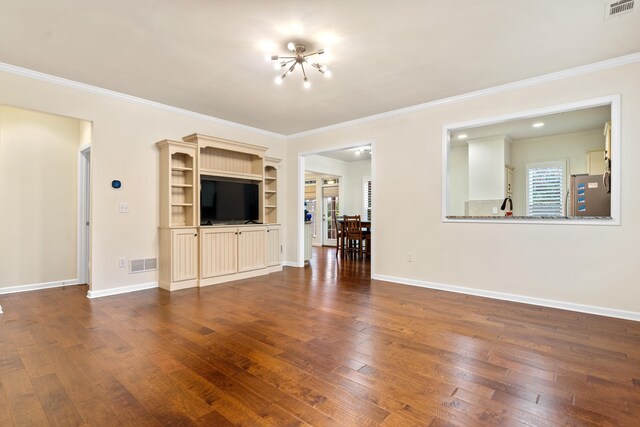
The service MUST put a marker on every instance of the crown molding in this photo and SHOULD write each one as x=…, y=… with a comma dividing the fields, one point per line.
x=36, y=75
x=533, y=81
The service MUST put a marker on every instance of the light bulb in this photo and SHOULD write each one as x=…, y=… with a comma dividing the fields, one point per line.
x=278, y=80
x=462, y=136
x=307, y=83
x=538, y=125
x=327, y=73
x=291, y=46
x=277, y=66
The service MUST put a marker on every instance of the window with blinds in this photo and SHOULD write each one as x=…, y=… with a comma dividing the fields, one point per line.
x=545, y=189
x=366, y=199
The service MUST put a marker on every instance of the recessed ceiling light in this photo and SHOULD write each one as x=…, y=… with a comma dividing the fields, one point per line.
x=538, y=124
x=462, y=136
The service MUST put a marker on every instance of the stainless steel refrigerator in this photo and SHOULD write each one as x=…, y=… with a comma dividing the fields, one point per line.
x=589, y=196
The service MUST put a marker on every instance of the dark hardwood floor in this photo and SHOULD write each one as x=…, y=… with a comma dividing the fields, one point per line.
x=323, y=345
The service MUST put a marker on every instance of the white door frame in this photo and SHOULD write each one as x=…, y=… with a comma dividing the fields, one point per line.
x=325, y=241
x=84, y=214
x=300, y=195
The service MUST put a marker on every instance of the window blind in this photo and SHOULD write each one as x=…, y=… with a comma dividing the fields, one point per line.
x=545, y=189
x=366, y=199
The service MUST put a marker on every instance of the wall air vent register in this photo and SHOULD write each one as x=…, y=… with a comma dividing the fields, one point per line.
x=143, y=264
x=616, y=8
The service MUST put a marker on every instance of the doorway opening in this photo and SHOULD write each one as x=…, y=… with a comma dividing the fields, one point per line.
x=332, y=183
x=44, y=177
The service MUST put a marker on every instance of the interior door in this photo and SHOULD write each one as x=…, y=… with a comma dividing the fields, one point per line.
x=330, y=212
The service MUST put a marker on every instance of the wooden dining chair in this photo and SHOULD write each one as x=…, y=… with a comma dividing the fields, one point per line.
x=352, y=235
x=340, y=239
x=366, y=239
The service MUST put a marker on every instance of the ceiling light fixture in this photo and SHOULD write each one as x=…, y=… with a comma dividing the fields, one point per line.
x=360, y=151
x=299, y=57
x=537, y=125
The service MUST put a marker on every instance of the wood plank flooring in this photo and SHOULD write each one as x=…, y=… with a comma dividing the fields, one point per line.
x=321, y=346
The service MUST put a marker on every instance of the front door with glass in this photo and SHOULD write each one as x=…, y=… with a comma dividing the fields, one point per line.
x=330, y=215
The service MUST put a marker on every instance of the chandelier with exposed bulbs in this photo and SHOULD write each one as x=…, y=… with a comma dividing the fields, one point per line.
x=302, y=58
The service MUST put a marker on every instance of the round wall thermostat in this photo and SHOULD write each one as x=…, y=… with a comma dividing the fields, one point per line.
x=116, y=184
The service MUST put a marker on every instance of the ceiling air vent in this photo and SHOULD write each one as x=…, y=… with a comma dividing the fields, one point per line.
x=143, y=264
x=615, y=8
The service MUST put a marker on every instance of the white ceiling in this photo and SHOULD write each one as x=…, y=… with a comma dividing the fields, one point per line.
x=208, y=56
x=586, y=119
x=349, y=154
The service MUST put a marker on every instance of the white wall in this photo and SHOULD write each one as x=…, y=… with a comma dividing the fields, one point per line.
x=572, y=147
x=486, y=168
x=458, y=179
x=356, y=171
x=492, y=257
x=38, y=189
x=123, y=147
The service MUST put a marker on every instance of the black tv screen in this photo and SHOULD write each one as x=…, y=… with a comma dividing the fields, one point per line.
x=227, y=201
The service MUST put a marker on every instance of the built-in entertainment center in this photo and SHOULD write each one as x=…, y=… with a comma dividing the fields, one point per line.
x=218, y=212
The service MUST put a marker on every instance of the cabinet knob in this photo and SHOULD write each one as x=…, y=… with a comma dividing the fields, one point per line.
x=195, y=235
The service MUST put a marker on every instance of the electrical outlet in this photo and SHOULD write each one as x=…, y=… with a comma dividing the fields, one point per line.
x=122, y=262
x=495, y=210
x=410, y=257
x=124, y=208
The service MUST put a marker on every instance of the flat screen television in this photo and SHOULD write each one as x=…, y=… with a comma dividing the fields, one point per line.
x=227, y=201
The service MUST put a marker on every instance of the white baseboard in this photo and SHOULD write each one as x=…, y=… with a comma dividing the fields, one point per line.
x=581, y=308
x=292, y=264
x=121, y=290
x=38, y=286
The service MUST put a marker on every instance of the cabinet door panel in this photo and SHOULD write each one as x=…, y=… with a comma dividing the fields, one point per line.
x=184, y=254
x=252, y=254
x=273, y=246
x=219, y=252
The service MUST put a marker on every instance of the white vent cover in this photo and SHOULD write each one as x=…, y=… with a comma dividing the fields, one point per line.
x=143, y=264
x=614, y=8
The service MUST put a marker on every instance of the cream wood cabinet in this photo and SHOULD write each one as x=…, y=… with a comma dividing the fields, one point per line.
x=195, y=255
x=273, y=245
x=219, y=252
x=596, y=164
x=179, y=256
x=252, y=242
x=229, y=253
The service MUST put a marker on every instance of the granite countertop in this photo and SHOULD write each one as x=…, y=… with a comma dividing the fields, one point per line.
x=508, y=218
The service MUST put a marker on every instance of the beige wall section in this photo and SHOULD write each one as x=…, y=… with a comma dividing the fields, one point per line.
x=124, y=134
x=38, y=190
x=591, y=265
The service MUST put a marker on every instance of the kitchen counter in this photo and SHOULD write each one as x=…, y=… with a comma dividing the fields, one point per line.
x=508, y=218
